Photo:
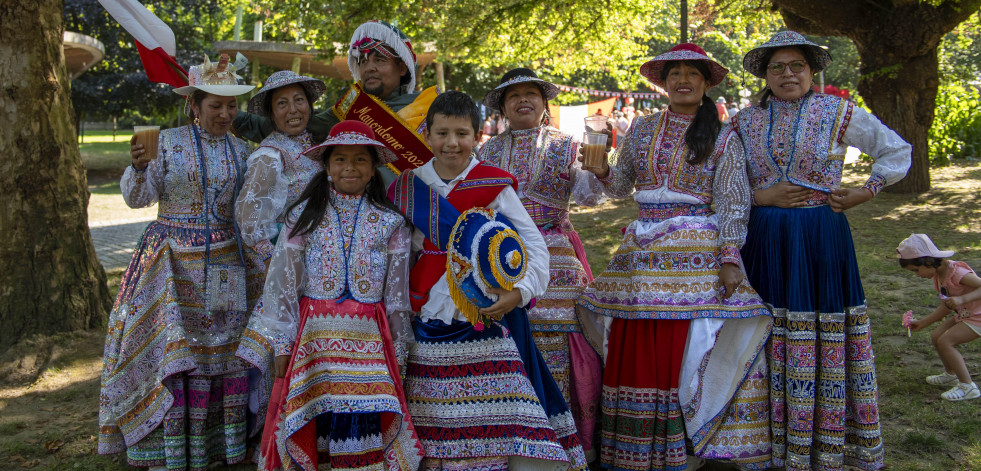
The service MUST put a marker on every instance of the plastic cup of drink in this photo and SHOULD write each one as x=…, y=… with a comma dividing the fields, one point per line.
x=595, y=123
x=148, y=136
x=593, y=149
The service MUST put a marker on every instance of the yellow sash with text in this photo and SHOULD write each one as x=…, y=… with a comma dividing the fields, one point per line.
x=398, y=131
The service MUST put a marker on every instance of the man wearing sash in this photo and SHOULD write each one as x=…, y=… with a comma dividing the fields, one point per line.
x=383, y=64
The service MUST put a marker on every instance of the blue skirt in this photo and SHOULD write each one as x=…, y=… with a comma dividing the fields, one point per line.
x=824, y=397
x=802, y=259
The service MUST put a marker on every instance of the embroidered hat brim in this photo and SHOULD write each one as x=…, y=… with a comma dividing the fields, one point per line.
x=385, y=155
x=284, y=78
x=493, y=97
x=220, y=90
x=652, y=69
x=753, y=60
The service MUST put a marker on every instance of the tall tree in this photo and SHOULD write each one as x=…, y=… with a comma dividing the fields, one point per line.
x=897, y=42
x=50, y=279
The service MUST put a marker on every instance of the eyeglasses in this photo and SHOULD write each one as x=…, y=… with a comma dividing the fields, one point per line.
x=777, y=68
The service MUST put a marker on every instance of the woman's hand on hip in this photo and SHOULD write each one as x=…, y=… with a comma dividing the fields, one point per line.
x=783, y=195
x=507, y=300
x=847, y=198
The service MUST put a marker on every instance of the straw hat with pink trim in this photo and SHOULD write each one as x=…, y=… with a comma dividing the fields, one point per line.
x=919, y=245
x=352, y=133
x=683, y=52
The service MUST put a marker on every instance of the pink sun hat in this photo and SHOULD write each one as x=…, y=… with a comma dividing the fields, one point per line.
x=352, y=133
x=919, y=245
x=683, y=52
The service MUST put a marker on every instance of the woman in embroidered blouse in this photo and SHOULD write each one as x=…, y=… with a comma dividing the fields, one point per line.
x=685, y=331
x=800, y=256
x=543, y=160
x=173, y=393
x=277, y=172
x=334, y=307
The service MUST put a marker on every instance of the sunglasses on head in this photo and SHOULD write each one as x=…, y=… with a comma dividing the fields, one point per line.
x=777, y=68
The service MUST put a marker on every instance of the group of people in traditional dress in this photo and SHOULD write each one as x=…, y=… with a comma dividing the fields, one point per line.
x=366, y=290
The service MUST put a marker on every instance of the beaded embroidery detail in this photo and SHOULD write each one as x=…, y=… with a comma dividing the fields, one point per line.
x=368, y=257
x=803, y=133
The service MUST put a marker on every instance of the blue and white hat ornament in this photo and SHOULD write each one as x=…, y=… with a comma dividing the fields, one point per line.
x=485, y=251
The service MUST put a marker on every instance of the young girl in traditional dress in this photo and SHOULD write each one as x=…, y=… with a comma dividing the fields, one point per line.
x=960, y=292
x=687, y=331
x=335, y=295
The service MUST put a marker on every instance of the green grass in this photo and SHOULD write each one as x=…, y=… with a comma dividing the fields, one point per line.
x=101, y=154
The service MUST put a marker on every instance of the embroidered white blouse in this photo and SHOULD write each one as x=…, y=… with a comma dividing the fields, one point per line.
x=375, y=253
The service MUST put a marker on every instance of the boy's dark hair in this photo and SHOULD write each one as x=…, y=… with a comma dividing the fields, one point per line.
x=929, y=262
x=704, y=130
x=454, y=104
x=319, y=195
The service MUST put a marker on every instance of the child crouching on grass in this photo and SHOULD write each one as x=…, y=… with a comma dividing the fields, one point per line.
x=960, y=292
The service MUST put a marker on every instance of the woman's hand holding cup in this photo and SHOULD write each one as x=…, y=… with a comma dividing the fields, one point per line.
x=596, y=144
x=143, y=145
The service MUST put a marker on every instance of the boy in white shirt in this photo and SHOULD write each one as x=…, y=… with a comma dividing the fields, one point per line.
x=479, y=393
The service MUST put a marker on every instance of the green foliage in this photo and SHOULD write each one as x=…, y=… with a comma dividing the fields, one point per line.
x=956, y=130
x=960, y=53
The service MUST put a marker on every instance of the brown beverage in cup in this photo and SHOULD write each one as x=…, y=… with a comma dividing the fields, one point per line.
x=148, y=136
x=593, y=150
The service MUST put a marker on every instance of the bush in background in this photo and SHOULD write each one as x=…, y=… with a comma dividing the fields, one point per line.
x=956, y=131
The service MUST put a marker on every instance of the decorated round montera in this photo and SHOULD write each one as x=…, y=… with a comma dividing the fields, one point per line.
x=683, y=52
x=484, y=251
x=352, y=133
x=753, y=60
x=283, y=78
x=514, y=77
x=217, y=78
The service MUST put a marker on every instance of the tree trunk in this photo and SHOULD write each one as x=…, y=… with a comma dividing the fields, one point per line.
x=904, y=100
x=50, y=279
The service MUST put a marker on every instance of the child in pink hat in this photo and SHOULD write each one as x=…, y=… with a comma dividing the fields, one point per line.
x=960, y=293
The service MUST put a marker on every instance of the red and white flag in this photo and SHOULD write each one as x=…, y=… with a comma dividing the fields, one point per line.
x=154, y=41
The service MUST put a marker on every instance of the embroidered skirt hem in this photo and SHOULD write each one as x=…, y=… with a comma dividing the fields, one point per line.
x=823, y=388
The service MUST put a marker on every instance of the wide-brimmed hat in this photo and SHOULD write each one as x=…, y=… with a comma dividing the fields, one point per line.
x=374, y=34
x=484, y=251
x=217, y=78
x=919, y=245
x=352, y=133
x=753, y=60
x=283, y=78
x=514, y=77
x=683, y=52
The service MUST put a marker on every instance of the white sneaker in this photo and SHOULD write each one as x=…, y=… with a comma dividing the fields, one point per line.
x=945, y=379
x=961, y=392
